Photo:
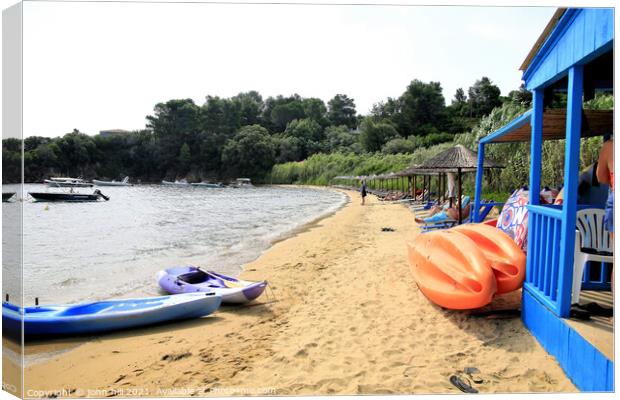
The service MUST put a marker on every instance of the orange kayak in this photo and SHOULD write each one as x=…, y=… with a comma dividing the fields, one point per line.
x=464, y=267
x=506, y=258
x=451, y=271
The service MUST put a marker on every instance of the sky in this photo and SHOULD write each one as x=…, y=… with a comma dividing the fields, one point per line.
x=97, y=66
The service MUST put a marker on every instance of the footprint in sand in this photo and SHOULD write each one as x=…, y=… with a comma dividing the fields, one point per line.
x=301, y=353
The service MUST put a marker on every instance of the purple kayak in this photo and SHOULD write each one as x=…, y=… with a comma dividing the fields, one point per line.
x=188, y=279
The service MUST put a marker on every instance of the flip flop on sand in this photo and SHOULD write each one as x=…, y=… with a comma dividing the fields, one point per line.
x=576, y=311
x=497, y=314
x=388, y=229
x=461, y=383
x=474, y=374
x=597, y=309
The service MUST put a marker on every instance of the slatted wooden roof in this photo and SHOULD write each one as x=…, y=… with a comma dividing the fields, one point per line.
x=593, y=123
x=542, y=38
x=416, y=170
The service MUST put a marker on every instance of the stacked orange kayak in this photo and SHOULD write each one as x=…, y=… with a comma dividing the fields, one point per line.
x=464, y=267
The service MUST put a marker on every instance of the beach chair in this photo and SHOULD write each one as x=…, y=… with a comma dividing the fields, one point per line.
x=421, y=207
x=485, y=209
x=441, y=219
x=592, y=243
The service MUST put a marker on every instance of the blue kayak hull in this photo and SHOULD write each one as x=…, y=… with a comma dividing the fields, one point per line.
x=105, y=316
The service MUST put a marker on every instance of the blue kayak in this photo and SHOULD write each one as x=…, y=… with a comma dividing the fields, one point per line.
x=104, y=316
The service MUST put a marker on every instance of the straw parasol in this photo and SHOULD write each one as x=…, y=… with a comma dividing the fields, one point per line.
x=457, y=159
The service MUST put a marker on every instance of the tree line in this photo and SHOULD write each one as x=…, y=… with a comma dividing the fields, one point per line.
x=320, y=169
x=246, y=135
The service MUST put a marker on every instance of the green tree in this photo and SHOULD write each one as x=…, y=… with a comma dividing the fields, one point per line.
x=185, y=159
x=249, y=106
x=339, y=139
x=422, y=109
x=459, y=103
x=399, y=146
x=374, y=135
x=251, y=152
x=315, y=110
x=175, y=122
x=288, y=148
x=521, y=96
x=341, y=111
x=78, y=150
x=279, y=111
x=309, y=133
x=484, y=96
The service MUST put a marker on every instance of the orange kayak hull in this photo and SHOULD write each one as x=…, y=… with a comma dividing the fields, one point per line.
x=506, y=258
x=451, y=271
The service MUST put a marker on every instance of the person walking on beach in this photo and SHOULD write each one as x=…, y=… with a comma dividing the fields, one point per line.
x=363, y=191
x=605, y=174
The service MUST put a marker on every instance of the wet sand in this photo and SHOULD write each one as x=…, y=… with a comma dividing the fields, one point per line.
x=343, y=317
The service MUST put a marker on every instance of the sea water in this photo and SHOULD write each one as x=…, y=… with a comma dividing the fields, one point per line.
x=76, y=252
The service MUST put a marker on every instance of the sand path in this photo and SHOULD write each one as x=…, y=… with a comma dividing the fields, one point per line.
x=347, y=319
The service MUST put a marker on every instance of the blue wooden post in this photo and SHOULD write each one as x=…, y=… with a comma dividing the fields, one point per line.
x=571, y=177
x=479, y=176
x=536, y=145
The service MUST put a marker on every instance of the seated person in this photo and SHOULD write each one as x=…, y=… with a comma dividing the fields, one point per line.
x=439, y=214
x=446, y=205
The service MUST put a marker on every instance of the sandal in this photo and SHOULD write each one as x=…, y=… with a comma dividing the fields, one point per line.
x=462, y=385
x=579, y=313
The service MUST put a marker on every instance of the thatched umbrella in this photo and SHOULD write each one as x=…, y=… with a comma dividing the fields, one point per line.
x=457, y=159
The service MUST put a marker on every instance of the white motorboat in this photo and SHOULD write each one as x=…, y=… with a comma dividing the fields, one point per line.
x=182, y=182
x=208, y=184
x=67, y=182
x=124, y=182
x=242, y=183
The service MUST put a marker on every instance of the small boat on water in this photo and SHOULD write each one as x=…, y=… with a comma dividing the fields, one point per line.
x=67, y=182
x=182, y=182
x=188, y=279
x=208, y=184
x=124, y=182
x=7, y=196
x=70, y=197
x=242, y=183
x=103, y=316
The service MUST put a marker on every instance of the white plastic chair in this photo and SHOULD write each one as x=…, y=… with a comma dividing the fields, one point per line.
x=592, y=243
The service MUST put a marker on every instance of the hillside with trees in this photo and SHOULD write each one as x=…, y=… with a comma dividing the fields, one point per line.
x=276, y=139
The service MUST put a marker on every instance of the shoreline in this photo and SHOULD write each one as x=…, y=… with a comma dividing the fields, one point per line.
x=229, y=249
x=310, y=224
x=61, y=346
x=347, y=318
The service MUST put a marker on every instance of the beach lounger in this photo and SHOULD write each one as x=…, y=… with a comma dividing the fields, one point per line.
x=449, y=222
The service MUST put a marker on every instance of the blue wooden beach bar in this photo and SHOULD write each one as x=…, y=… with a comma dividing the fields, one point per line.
x=574, y=55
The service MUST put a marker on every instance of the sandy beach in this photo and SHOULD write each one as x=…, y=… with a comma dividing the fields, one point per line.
x=343, y=317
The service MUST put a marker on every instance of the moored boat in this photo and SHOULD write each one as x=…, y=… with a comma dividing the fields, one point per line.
x=124, y=182
x=67, y=182
x=7, y=196
x=188, y=279
x=70, y=197
x=242, y=183
x=208, y=184
x=182, y=182
x=103, y=316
